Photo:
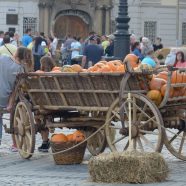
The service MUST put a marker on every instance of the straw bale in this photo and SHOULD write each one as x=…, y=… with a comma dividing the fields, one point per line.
x=128, y=167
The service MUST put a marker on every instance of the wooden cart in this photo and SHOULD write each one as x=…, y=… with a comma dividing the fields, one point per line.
x=86, y=101
x=152, y=125
x=73, y=100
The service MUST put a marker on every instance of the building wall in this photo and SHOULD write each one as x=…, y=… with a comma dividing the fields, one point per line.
x=150, y=10
x=22, y=8
x=139, y=12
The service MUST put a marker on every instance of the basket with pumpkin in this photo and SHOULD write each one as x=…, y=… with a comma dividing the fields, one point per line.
x=61, y=142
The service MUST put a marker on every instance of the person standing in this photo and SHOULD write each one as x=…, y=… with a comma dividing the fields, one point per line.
x=67, y=48
x=38, y=52
x=104, y=42
x=27, y=39
x=75, y=49
x=109, y=51
x=7, y=48
x=157, y=45
x=1, y=37
x=9, y=67
x=180, y=60
x=92, y=53
x=136, y=50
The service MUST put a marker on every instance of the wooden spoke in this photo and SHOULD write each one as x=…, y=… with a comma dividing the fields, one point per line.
x=141, y=113
x=182, y=142
x=145, y=114
x=174, y=137
x=126, y=146
x=134, y=110
x=115, y=113
x=21, y=114
x=140, y=144
x=147, y=141
x=119, y=139
x=147, y=122
x=28, y=135
x=148, y=132
x=18, y=121
x=27, y=128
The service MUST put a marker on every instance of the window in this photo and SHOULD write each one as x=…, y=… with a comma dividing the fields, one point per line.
x=30, y=22
x=184, y=33
x=11, y=19
x=150, y=30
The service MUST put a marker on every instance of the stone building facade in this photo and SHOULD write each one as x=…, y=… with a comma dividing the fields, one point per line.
x=148, y=17
x=76, y=17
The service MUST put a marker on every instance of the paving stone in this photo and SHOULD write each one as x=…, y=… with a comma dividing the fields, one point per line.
x=41, y=170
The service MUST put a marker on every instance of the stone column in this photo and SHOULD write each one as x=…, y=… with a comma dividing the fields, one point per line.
x=97, y=20
x=45, y=8
x=46, y=17
x=108, y=20
x=41, y=16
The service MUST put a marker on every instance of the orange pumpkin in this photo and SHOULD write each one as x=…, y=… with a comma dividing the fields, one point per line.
x=116, y=62
x=57, y=138
x=162, y=75
x=176, y=77
x=112, y=66
x=67, y=68
x=155, y=96
x=56, y=71
x=132, y=60
x=104, y=62
x=84, y=70
x=163, y=90
x=91, y=69
x=120, y=68
x=157, y=83
x=76, y=68
x=70, y=137
x=184, y=77
x=56, y=68
x=78, y=136
x=104, y=68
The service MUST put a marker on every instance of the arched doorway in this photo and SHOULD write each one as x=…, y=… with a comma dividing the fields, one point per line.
x=70, y=24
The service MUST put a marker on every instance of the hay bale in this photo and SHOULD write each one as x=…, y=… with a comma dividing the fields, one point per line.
x=128, y=167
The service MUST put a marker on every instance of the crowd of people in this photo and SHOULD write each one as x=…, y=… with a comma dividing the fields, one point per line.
x=30, y=53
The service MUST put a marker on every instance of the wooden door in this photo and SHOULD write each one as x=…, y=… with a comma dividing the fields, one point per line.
x=73, y=25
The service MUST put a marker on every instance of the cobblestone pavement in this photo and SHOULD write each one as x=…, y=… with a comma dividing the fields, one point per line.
x=41, y=170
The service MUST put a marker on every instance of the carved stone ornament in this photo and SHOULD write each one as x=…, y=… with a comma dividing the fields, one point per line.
x=73, y=3
x=46, y=3
x=92, y=3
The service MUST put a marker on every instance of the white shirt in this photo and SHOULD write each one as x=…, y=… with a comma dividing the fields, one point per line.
x=75, y=45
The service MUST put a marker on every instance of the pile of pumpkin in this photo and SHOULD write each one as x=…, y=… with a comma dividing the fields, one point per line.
x=75, y=137
x=101, y=66
x=158, y=86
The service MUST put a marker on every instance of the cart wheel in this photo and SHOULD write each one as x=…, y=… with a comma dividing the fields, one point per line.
x=147, y=133
x=97, y=143
x=175, y=141
x=24, y=130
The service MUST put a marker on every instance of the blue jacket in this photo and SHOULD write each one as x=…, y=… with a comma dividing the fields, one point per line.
x=138, y=53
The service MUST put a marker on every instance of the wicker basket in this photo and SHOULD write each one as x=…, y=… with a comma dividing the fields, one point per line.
x=74, y=156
